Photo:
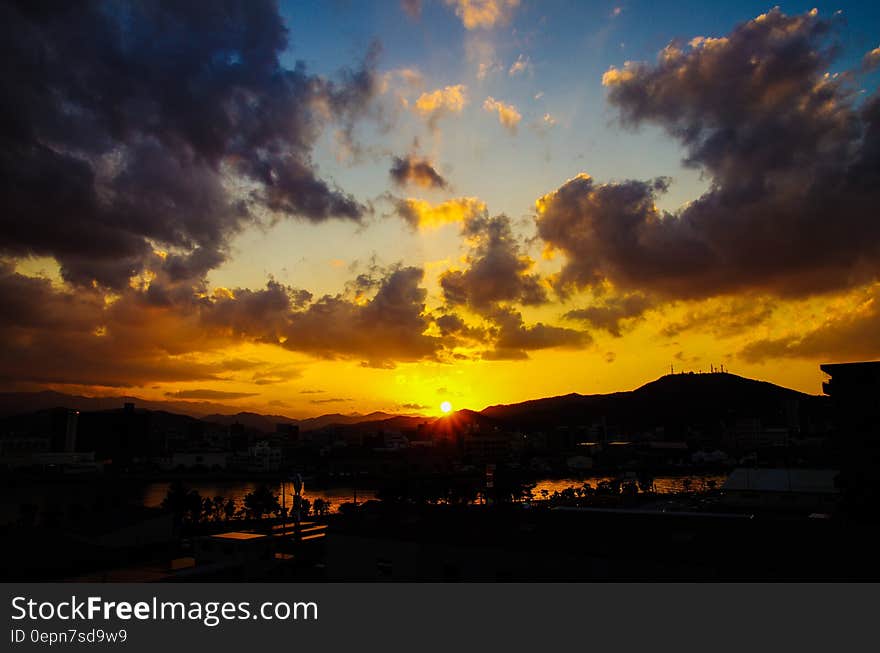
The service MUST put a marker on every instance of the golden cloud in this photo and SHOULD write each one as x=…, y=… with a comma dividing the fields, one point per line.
x=614, y=75
x=476, y=14
x=450, y=99
x=508, y=115
x=422, y=215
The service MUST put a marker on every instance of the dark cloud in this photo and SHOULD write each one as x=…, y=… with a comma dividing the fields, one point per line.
x=273, y=374
x=792, y=158
x=209, y=394
x=504, y=335
x=170, y=125
x=382, y=318
x=505, y=355
x=330, y=400
x=263, y=314
x=50, y=335
x=451, y=324
x=56, y=335
x=414, y=406
x=390, y=326
x=414, y=170
x=853, y=335
x=498, y=270
x=612, y=312
x=724, y=318
x=514, y=338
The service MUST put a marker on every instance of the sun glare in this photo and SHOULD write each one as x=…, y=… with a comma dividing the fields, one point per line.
x=446, y=407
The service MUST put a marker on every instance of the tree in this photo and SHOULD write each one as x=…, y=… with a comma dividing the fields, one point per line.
x=184, y=504
x=194, y=506
x=261, y=501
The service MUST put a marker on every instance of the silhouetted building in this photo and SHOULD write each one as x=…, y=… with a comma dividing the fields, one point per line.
x=785, y=489
x=62, y=437
x=238, y=437
x=289, y=433
x=195, y=460
x=120, y=436
x=260, y=457
x=488, y=446
x=854, y=389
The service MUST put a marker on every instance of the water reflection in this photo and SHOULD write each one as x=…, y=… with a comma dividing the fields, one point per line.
x=69, y=497
x=236, y=490
x=662, y=484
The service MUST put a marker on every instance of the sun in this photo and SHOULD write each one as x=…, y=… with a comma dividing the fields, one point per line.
x=446, y=407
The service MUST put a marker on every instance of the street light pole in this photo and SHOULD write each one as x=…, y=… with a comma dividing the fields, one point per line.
x=297, y=501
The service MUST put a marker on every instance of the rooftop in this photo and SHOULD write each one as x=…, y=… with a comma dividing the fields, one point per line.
x=782, y=480
x=859, y=367
x=238, y=535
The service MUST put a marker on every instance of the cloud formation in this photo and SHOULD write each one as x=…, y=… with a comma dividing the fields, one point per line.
x=381, y=328
x=793, y=162
x=128, y=129
x=522, y=65
x=497, y=271
x=508, y=115
x=52, y=335
x=723, y=317
x=420, y=214
x=483, y=14
x=515, y=339
x=871, y=59
x=56, y=335
x=613, y=312
x=842, y=336
x=209, y=395
x=412, y=169
x=432, y=105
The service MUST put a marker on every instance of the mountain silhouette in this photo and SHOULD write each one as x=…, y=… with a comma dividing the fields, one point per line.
x=670, y=400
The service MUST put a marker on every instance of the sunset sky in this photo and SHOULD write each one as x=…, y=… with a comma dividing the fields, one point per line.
x=317, y=207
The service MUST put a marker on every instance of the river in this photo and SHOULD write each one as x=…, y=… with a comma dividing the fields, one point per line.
x=64, y=495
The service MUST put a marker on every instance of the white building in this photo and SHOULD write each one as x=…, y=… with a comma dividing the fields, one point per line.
x=195, y=460
x=781, y=489
x=261, y=457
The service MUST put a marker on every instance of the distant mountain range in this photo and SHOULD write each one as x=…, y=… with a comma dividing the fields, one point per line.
x=267, y=422
x=671, y=399
x=18, y=403
x=12, y=403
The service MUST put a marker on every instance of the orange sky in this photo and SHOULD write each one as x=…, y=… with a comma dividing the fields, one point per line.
x=469, y=206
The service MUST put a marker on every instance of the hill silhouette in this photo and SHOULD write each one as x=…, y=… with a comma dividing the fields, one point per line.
x=670, y=400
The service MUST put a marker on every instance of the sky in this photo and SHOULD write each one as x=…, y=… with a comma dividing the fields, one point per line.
x=311, y=207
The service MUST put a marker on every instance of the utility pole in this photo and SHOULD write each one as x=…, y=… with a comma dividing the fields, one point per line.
x=297, y=488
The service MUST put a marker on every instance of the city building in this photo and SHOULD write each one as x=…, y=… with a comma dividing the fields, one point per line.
x=195, y=460
x=802, y=490
x=854, y=389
